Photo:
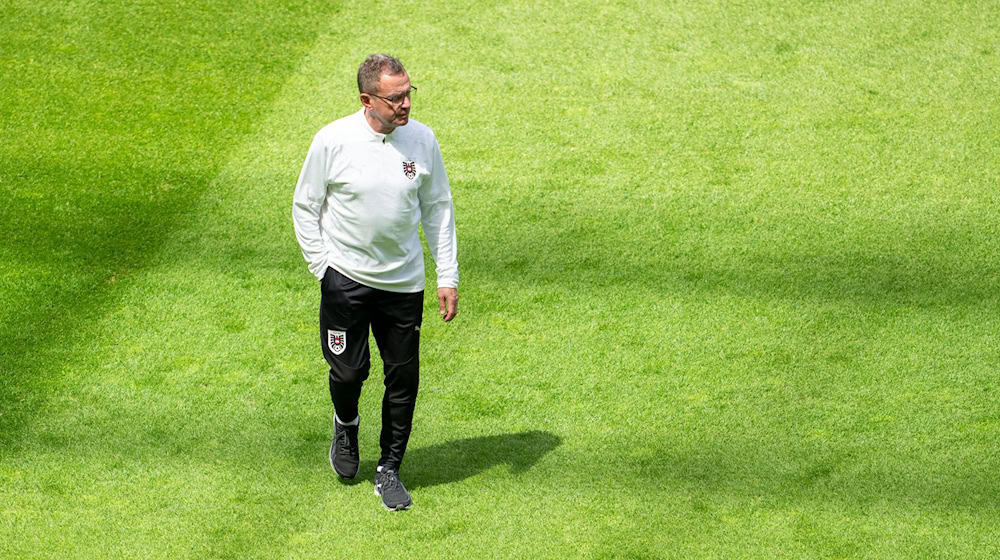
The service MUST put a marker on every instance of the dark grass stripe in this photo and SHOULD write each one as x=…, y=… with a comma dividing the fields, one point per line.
x=115, y=119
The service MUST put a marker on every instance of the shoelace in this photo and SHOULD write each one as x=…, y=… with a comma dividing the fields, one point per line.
x=388, y=480
x=344, y=443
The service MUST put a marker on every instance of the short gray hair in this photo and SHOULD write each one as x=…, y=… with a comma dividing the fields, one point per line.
x=371, y=70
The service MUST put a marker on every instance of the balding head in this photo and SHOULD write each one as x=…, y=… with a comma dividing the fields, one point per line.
x=373, y=67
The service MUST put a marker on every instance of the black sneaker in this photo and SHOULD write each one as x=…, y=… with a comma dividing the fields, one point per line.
x=344, y=450
x=391, y=489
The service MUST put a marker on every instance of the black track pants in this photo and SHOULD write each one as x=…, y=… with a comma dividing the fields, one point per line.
x=347, y=309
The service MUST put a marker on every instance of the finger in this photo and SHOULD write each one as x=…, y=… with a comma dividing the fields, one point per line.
x=452, y=304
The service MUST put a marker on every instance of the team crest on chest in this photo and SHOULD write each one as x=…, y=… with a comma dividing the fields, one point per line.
x=410, y=169
x=336, y=341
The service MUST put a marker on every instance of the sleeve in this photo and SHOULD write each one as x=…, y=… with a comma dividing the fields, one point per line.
x=437, y=215
x=310, y=193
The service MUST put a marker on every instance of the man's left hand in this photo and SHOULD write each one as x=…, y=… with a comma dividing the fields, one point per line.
x=448, y=303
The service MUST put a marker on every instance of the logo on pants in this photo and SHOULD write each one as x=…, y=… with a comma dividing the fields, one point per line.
x=336, y=341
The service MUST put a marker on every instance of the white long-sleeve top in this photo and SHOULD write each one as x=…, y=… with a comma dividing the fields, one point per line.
x=361, y=198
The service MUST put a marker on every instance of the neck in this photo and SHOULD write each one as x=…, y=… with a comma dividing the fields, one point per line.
x=377, y=125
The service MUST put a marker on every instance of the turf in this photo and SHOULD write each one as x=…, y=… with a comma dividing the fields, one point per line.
x=729, y=281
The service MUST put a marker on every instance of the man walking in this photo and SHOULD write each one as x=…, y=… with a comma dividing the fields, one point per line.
x=368, y=182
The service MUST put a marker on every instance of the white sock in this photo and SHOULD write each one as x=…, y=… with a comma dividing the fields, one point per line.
x=354, y=422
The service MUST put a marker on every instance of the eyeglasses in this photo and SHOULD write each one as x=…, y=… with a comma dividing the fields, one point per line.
x=396, y=100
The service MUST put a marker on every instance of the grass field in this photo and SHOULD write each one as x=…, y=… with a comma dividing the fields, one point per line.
x=730, y=281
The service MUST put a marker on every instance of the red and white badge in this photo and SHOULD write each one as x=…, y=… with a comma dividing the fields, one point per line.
x=336, y=341
x=410, y=169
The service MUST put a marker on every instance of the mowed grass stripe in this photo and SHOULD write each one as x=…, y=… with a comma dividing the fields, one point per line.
x=115, y=121
x=117, y=132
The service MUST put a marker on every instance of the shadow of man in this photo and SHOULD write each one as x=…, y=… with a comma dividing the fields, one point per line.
x=459, y=459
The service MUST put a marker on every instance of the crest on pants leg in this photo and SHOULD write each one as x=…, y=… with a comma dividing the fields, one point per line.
x=336, y=341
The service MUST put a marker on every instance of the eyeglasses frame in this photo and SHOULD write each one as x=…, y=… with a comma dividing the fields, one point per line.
x=391, y=103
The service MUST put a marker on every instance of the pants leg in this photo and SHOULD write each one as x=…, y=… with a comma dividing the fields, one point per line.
x=343, y=324
x=396, y=321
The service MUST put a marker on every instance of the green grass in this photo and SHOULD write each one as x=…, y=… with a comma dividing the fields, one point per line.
x=729, y=281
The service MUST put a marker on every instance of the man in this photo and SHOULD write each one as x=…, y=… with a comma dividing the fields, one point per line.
x=368, y=182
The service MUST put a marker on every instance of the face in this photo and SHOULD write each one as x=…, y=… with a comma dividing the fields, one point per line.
x=385, y=115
